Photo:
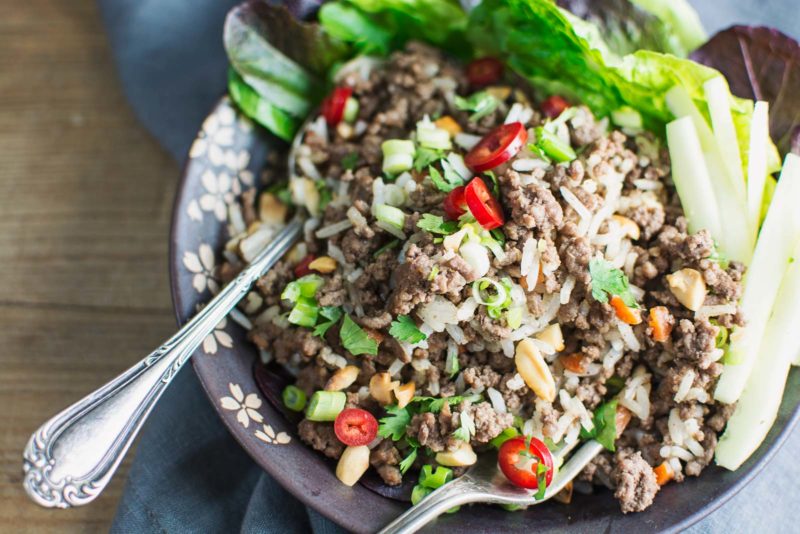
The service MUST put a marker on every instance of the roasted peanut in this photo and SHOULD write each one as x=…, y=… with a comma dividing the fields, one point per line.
x=552, y=336
x=404, y=394
x=459, y=457
x=271, y=210
x=688, y=287
x=381, y=387
x=352, y=464
x=534, y=370
x=630, y=228
x=343, y=378
x=323, y=264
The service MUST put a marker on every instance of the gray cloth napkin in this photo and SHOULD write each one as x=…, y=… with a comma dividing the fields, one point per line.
x=189, y=475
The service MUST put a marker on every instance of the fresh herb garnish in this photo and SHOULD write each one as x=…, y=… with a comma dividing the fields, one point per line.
x=405, y=329
x=433, y=273
x=467, y=428
x=349, y=161
x=541, y=480
x=606, y=280
x=408, y=461
x=332, y=314
x=437, y=225
x=425, y=157
x=447, y=182
x=480, y=104
x=435, y=405
x=395, y=423
x=325, y=195
x=355, y=339
x=605, y=425
x=495, y=184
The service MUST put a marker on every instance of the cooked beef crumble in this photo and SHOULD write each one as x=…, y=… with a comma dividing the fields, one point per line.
x=613, y=202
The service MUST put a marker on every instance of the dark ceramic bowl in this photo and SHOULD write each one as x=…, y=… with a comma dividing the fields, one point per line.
x=226, y=157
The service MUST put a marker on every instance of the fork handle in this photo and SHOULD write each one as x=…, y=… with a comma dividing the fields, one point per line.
x=459, y=491
x=71, y=458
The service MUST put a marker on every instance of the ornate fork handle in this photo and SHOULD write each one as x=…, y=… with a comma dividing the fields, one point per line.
x=71, y=458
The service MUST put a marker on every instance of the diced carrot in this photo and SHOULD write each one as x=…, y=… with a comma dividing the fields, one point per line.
x=524, y=282
x=575, y=362
x=664, y=473
x=661, y=322
x=448, y=123
x=625, y=313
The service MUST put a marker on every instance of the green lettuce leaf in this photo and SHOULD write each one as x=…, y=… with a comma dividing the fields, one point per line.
x=680, y=17
x=261, y=110
x=628, y=27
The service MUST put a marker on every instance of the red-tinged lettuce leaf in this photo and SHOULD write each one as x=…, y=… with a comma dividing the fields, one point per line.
x=761, y=64
x=627, y=27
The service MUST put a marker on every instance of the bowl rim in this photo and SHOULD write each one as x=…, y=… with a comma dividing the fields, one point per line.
x=341, y=518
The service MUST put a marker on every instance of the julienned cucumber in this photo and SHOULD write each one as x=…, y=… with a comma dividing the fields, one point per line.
x=776, y=243
x=761, y=398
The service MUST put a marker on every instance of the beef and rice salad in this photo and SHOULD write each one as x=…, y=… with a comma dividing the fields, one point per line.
x=482, y=268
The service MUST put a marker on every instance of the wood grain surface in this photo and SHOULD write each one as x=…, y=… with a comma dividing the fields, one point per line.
x=85, y=198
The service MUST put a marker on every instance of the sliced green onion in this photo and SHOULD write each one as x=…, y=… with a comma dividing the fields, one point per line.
x=390, y=215
x=397, y=163
x=294, y=398
x=419, y=493
x=479, y=292
x=350, y=110
x=429, y=136
x=397, y=146
x=304, y=313
x=456, y=162
x=514, y=318
x=434, y=272
x=302, y=287
x=435, y=479
x=553, y=146
x=512, y=507
x=325, y=405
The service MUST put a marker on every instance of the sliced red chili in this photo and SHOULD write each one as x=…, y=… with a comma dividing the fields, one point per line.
x=554, y=106
x=482, y=204
x=355, y=427
x=301, y=269
x=497, y=147
x=519, y=463
x=484, y=71
x=332, y=108
x=454, y=204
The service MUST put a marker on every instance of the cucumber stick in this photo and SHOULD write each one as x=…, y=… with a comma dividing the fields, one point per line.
x=773, y=254
x=761, y=398
x=757, y=163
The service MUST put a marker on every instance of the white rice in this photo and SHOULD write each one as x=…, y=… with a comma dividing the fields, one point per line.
x=457, y=333
x=241, y=319
x=466, y=310
x=396, y=366
x=308, y=168
x=628, y=336
x=438, y=313
x=355, y=217
x=582, y=211
x=333, y=229
x=507, y=346
x=420, y=364
x=543, y=346
x=684, y=386
x=714, y=311
x=497, y=400
x=336, y=253
x=648, y=185
x=354, y=275
x=529, y=263
x=566, y=290
x=516, y=382
x=638, y=292
x=391, y=229
x=527, y=165
x=466, y=141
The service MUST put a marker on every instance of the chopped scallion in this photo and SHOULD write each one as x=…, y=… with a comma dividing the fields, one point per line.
x=294, y=398
x=435, y=479
x=302, y=287
x=390, y=215
x=553, y=146
x=325, y=405
x=429, y=136
x=304, y=313
x=350, y=110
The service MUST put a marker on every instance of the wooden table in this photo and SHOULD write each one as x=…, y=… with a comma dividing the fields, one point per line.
x=85, y=198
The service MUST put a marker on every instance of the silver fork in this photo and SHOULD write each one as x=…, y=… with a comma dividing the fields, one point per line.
x=485, y=483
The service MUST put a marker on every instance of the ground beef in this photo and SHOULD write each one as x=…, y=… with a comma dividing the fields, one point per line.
x=384, y=458
x=695, y=340
x=649, y=218
x=531, y=206
x=321, y=437
x=576, y=252
x=271, y=284
x=332, y=293
x=481, y=377
x=284, y=342
x=454, y=273
x=636, y=483
x=432, y=431
x=411, y=282
x=488, y=422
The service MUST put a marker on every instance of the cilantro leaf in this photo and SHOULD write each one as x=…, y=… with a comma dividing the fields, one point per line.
x=405, y=329
x=332, y=314
x=435, y=404
x=467, y=428
x=425, y=157
x=605, y=425
x=349, y=161
x=445, y=183
x=355, y=339
x=480, y=104
x=395, y=423
x=606, y=280
x=408, y=461
x=437, y=225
